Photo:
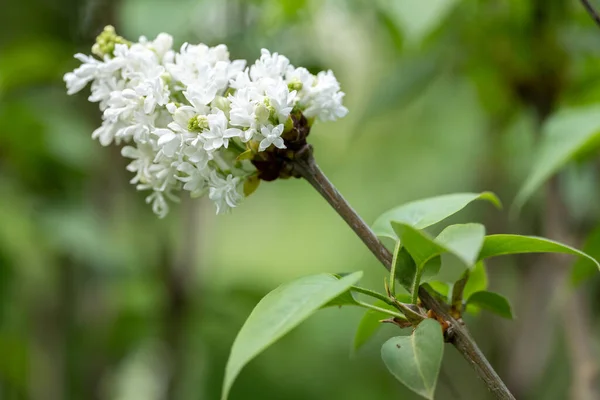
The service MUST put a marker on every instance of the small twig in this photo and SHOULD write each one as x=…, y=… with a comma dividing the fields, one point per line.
x=306, y=167
x=392, y=288
x=382, y=310
x=590, y=9
x=372, y=293
x=458, y=290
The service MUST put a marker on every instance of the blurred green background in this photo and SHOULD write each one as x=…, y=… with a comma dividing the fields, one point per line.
x=101, y=300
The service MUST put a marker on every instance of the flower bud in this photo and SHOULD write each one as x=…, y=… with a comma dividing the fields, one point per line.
x=106, y=41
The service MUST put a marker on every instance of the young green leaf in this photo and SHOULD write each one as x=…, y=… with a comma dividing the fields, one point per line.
x=419, y=244
x=463, y=241
x=404, y=267
x=416, y=360
x=492, y=302
x=426, y=212
x=278, y=313
x=566, y=135
x=497, y=245
x=344, y=299
x=370, y=323
x=477, y=282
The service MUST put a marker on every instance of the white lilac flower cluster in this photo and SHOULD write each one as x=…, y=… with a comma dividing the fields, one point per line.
x=186, y=116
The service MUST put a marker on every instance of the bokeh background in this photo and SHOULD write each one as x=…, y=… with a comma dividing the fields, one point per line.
x=99, y=299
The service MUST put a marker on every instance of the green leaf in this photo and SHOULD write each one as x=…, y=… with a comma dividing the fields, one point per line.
x=431, y=269
x=251, y=184
x=582, y=269
x=370, y=322
x=565, y=136
x=419, y=244
x=422, y=249
x=497, y=245
x=405, y=268
x=463, y=241
x=416, y=360
x=477, y=282
x=344, y=299
x=426, y=212
x=278, y=313
x=492, y=302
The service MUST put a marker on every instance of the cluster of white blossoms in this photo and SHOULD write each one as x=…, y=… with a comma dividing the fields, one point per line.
x=186, y=117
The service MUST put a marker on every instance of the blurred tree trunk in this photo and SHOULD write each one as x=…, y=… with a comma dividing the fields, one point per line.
x=542, y=281
x=178, y=277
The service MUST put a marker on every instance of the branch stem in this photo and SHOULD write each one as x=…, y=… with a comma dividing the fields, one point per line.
x=393, y=268
x=457, y=333
x=374, y=294
x=382, y=310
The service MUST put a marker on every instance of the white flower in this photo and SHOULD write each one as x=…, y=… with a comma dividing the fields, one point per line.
x=195, y=179
x=106, y=132
x=160, y=206
x=200, y=95
x=223, y=192
x=218, y=134
x=325, y=99
x=139, y=129
x=172, y=138
x=300, y=79
x=162, y=44
x=142, y=156
x=242, y=107
x=282, y=100
x=102, y=88
x=153, y=88
x=88, y=71
x=269, y=65
x=122, y=105
x=178, y=111
x=272, y=136
x=200, y=65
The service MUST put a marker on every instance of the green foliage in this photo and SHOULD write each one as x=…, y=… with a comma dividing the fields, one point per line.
x=492, y=302
x=497, y=245
x=415, y=360
x=278, y=313
x=426, y=212
x=344, y=299
x=566, y=136
x=64, y=200
x=369, y=324
x=478, y=280
x=404, y=267
x=463, y=241
x=371, y=321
